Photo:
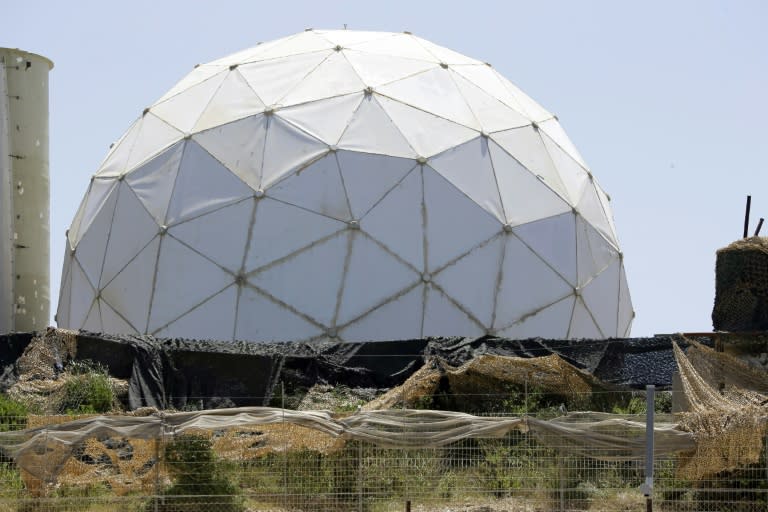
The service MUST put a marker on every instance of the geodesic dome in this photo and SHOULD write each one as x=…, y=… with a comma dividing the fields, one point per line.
x=345, y=185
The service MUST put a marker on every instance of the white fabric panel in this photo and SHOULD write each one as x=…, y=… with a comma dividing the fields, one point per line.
x=573, y=176
x=98, y=191
x=286, y=150
x=317, y=188
x=372, y=131
x=239, y=146
x=333, y=77
x=554, y=131
x=260, y=319
x=527, y=284
x=114, y=163
x=154, y=136
x=626, y=314
x=525, y=146
x=399, y=45
x=350, y=37
x=272, y=78
x=132, y=229
x=444, y=54
x=90, y=250
x=592, y=209
x=309, y=280
x=489, y=111
x=183, y=110
x=184, y=280
x=396, y=220
x=153, y=182
x=208, y=320
x=65, y=289
x=197, y=75
x=420, y=127
x=233, y=100
x=601, y=296
x=554, y=240
x=324, y=119
x=303, y=42
x=470, y=169
x=113, y=323
x=527, y=105
x=372, y=277
x=472, y=280
x=455, y=223
x=82, y=295
x=220, y=235
x=551, y=322
x=280, y=229
x=368, y=177
x=488, y=80
x=435, y=92
x=202, y=185
x=443, y=318
x=130, y=292
x=375, y=70
x=250, y=54
x=608, y=212
x=582, y=324
x=400, y=319
x=593, y=252
x=93, y=320
x=524, y=196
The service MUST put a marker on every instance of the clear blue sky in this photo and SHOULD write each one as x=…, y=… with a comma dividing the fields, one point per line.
x=667, y=102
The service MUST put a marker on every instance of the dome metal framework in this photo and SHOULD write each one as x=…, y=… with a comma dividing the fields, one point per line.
x=350, y=186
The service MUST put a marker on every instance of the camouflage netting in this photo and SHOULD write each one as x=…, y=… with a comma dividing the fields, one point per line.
x=728, y=410
x=741, y=286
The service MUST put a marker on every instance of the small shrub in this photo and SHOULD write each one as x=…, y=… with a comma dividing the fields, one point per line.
x=13, y=415
x=87, y=391
x=198, y=486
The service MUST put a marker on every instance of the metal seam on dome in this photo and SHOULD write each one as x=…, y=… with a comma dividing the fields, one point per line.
x=344, y=276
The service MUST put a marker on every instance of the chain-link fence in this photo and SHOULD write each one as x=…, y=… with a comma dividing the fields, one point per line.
x=520, y=453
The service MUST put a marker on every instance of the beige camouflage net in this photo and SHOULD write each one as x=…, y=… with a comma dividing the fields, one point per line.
x=727, y=415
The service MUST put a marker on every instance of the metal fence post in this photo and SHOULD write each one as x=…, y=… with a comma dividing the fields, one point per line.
x=360, y=476
x=649, y=447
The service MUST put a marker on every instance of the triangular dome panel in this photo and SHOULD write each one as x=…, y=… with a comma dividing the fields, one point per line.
x=601, y=296
x=400, y=318
x=527, y=284
x=582, y=324
x=82, y=295
x=396, y=221
x=153, y=182
x=130, y=217
x=203, y=185
x=233, y=100
x=183, y=110
x=455, y=223
x=444, y=318
x=92, y=246
x=470, y=169
x=376, y=70
x=184, y=280
x=372, y=277
x=431, y=91
x=554, y=240
x=98, y=191
x=324, y=119
x=398, y=45
x=220, y=235
x=308, y=280
x=197, y=324
x=287, y=149
x=517, y=187
x=335, y=76
x=317, y=188
x=551, y=322
x=130, y=292
x=112, y=322
x=492, y=114
x=93, y=320
x=262, y=319
x=472, y=281
x=239, y=146
x=280, y=229
x=368, y=178
x=485, y=78
x=594, y=253
x=626, y=314
x=270, y=79
x=372, y=131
